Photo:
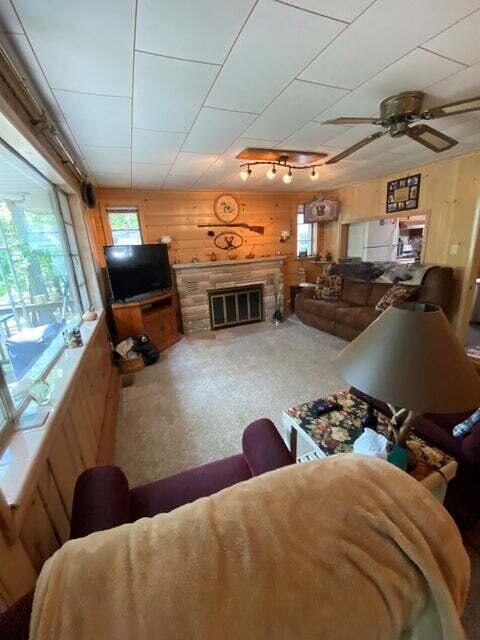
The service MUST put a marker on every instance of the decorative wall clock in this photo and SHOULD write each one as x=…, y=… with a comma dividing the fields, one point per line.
x=226, y=208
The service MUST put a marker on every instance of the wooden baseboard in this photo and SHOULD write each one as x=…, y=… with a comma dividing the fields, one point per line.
x=106, y=448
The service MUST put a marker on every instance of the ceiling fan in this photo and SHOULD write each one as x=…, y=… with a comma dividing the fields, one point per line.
x=398, y=112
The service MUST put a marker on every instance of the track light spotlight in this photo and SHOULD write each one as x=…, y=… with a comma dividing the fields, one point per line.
x=272, y=173
x=245, y=173
x=287, y=178
x=314, y=174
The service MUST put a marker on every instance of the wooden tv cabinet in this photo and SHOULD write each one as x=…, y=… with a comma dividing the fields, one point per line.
x=155, y=316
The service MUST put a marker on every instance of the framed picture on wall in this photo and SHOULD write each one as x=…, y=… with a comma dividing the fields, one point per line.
x=403, y=194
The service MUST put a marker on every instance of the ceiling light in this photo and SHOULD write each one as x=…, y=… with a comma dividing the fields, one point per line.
x=314, y=175
x=287, y=178
x=245, y=173
x=272, y=173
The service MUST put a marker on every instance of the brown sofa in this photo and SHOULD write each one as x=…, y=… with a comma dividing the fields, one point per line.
x=355, y=310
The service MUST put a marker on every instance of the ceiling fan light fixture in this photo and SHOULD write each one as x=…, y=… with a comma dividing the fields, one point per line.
x=314, y=174
x=272, y=173
x=245, y=173
x=287, y=178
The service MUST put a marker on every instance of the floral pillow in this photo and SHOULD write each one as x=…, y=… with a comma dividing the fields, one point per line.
x=397, y=293
x=317, y=294
x=332, y=287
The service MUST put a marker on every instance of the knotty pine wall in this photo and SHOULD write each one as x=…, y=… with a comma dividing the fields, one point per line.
x=177, y=214
x=80, y=437
x=450, y=198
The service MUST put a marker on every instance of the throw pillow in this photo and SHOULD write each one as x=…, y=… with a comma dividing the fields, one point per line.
x=317, y=294
x=397, y=293
x=332, y=287
x=463, y=428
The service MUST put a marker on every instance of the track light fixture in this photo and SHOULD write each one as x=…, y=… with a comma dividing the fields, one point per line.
x=245, y=172
x=271, y=174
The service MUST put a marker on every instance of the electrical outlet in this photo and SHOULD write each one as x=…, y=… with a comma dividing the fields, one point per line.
x=454, y=249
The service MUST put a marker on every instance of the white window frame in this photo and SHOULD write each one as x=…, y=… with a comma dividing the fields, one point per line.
x=313, y=231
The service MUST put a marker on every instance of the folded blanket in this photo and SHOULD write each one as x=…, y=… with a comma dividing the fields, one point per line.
x=345, y=548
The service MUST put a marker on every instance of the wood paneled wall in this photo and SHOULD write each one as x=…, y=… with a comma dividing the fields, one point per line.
x=76, y=441
x=450, y=198
x=177, y=214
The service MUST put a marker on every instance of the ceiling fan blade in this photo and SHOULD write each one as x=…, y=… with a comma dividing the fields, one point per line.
x=431, y=138
x=352, y=121
x=356, y=147
x=453, y=108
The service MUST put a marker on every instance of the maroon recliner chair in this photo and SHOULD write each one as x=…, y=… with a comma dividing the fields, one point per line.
x=103, y=499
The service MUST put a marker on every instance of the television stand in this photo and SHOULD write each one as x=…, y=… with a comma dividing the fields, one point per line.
x=157, y=316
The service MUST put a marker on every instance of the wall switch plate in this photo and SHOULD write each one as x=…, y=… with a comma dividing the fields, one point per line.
x=454, y=249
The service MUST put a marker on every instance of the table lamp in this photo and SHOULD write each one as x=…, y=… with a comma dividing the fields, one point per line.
x=411, y=359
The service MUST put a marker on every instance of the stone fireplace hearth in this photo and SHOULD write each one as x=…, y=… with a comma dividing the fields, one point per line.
x=197, y=279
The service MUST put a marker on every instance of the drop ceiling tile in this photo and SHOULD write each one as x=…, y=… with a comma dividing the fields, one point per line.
x=311, y=136
x=346, y=10
x=387, y=30
x=168, y=93
x=101, y=121
x=191, y=164
x=416, y=70
x=246, y=143
x=274, y=46
x=146, y=176
x=108, y=159
x=9, y=22
x=460, y=42
x=83, y=46
x=296, y=106
x=203, y=30
x=159, y=147
x=120, y=180
x=180, y=181
x=215, y=129
x=19, y=48
x=351, y=135
x=462, y=85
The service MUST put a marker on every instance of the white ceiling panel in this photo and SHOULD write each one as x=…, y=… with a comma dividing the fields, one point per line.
x=311, y=136
x=101, y=121
x=120, y=180
x=295, y=107
x=346, y=10
x=168, y=93
x=465, y=84
x=149, y=175
x=192, y=164
x=417, y=70
x=351, y=135
x=9, y=22
x=156, y=146
x=108, y=159
x=83, y=46
x=183, y=181
x=274, y=46
x=203, y=30
x=215, y=129
x=245, y=143
x=387, y=30
x=460, y=42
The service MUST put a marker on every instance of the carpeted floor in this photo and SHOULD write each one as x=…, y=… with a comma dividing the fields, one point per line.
x=192, y=406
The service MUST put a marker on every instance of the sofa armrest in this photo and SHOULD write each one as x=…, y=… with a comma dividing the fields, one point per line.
x=306, y=292
x=101, y=501
x=263, y=447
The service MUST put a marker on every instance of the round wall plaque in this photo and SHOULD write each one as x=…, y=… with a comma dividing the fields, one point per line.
x=226, y=208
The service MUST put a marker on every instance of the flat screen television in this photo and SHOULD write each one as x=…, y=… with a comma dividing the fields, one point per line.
x=136, y=271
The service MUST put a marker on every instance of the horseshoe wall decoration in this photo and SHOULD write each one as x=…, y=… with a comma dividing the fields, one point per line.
x=228, y=241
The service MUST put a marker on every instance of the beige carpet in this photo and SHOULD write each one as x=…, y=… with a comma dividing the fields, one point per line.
x=192, y=406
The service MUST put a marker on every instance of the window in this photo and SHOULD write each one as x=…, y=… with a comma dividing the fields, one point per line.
x=124, y=225
x=42, y=287
x=306, y=237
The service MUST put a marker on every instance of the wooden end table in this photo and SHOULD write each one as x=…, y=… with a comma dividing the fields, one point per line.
x=335, y=432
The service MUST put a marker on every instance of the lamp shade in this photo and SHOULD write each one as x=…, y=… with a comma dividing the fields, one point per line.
x=411, y=358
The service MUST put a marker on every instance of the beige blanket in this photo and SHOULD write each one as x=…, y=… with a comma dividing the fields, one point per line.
x=346, y=548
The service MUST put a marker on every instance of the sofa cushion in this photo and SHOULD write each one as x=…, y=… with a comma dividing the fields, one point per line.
x=356, y=317
x=324, y=308
x=378, y=290
x=356, y=293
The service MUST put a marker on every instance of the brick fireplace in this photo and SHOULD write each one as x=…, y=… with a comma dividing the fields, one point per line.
x=198, y=282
